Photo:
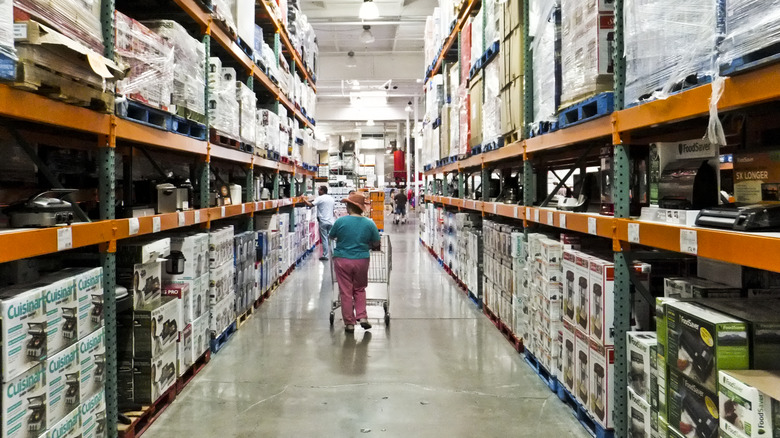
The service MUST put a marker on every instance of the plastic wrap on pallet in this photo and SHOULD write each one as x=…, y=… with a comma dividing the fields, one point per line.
x=455, y=127
x=465, y=51
x=491, y=107
x=79, y=20
x=247, y=102
x=7, y=29
x=587, y=39
x=223, y=10
x=493, y=10
x=434, y=97
x=656, y=62
x=268, y=130
x=546, y=59
x=751, y=25
x=189, y=79
x=224, y=109
x=477, y=37
x=150, y=59
x=464, y=121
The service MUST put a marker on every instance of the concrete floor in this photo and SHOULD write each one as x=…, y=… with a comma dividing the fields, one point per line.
x=441, y=369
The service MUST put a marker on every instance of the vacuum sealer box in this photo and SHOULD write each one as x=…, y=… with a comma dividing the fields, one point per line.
x=602, y=365
x=63, y=377
x=693, y=408
x=582, y=368
x=24, y=404
x=23, y=320
x=92, y=357
x=641, y=362
x=68, y=427
x=702, y=341
x=155, y=329
x=639, y=416
x=757, y=177
x=749, y=403
x=569, y=356
x=93, y=416
x=153, y=376
x=61, y=311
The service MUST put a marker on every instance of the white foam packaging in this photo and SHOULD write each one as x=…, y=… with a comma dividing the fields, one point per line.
x=24, y=404
x=92, y=359
x=23, y=329
x=93, y=416
x=63, y=379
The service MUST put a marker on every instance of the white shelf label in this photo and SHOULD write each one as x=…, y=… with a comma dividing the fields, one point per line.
x=182, y=219
x=527, y=213
x=633, y=233
x=243, y=208
x=64, y=238
x=197, y=216
x=551, y=218
x=562, y=220
x=257, y=206
x=495, y=207
x=222, y=210
x=592, y=228
x=517, y=212
x=156, y=224
x=133, y=226
x=689, y=242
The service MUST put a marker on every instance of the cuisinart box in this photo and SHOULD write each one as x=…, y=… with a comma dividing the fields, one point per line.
x=93, y=416
x=152, y=377
x=63, y=377
x=92, y=355
x=62, y=312
x=757, y=177
x=693, y=408
x=23, y=322
x=641, y=360
x=68, y=427
x=155, y=330
x=703, y=341
x=602, y=372
x=749, y=403
x=24, y=404
x=89, y=289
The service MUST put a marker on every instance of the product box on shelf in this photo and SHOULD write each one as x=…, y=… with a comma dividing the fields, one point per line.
x=582, y=292
x=153, y=376
x=569, y=267
x=23, y=324
x=220, y=246
x=757, y=177
x=185, y=355
x=703, y=341
x=641, y=358
x=139, y=268
x=182, y=294
x=222, y=315
x=749, y=403
x=221, y=282
x=692, y=287
x=155, y=329
x=24, y=404
x=68, y=427
x=602, y=297
x=92, y=359
x=201, y=336
x=569, y=356
x=192, y=252
x=639, y=416
x=602, y=364
x=89, y=290
x=63, y=377
x=476, y=92
x=582, y=367
x=61, y=310
x=93, y=416
x=693, y=408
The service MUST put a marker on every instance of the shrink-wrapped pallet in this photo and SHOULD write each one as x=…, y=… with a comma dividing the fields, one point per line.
x=752, y=32
x=491, y=107
x=223, y=11
x=7, y=29
x=477, y=37
x=268, y=130
x=464, y=120
x=247, y=102
x=224, y=109
x=79, y=20
x=545, y=50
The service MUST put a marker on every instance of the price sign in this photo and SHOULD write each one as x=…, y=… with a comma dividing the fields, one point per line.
x=197, y=216
x=495, y=207
x=551, y=218
x=182, y=219
x=133, y=226
x=689, y=242
x=536, y=216
x=517, y=212
x=527, y=213
x=592, y=229
x=633, y=233
x=562, y=220
x=64, y=238
x=243, y=208
x=156, y=224
x=222, y=210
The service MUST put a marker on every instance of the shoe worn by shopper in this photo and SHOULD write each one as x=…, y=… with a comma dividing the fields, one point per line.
x=349, y=328
x=365, y=324
x=324, y=259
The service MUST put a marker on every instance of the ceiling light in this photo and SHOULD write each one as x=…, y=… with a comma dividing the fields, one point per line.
x=355, y=85
x=368, y=10
x=351, y=61
x=408, y=108
x=370, y=123
x=367, y=37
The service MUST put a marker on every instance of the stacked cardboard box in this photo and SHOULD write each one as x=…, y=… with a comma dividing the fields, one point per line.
x=245, y=276
x=546, y=52
x=499, y=280
x=224, y=108
x=247, y=107
x=222, y=294
x=511, y=67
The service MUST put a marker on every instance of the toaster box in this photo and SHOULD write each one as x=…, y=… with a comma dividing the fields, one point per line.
x=187, y=260
x=641, y=358
x=703, y=341
x=693, y=408
x=182, y=294
x=602, y=297
x=602, y=372
x=62, y=310
x=155, y=330
x=570, y=284
x=639, y=416
x=89, y=289
x=749, y=402
x=582, y=368
x=93, y=416
x=568, y=361
x=63, y=380
x=186, y=357
x=153, y=376
x=24, y=404
x=92, y=356
x=582, y=294
x=144, y=281
x=23, y=322
x=201, y=336
x=68, y=427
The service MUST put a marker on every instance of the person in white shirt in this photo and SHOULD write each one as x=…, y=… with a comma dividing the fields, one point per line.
x=325, y=205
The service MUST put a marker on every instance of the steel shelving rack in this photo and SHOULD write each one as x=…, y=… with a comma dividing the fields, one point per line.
x=745, y=90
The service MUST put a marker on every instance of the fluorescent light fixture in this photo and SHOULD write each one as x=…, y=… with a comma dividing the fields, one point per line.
x=368, y=10
x=409, y=108
x=368, y=98
x=370, y=123
x=367, y=37
x=351, y=61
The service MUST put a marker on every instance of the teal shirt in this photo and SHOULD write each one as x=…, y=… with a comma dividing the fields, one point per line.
x=353, y=236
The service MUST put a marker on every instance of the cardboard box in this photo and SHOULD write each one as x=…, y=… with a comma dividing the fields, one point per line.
x=144, y=282
x=220, y=246
x=61, y=310
x=24, y=404
x=639, y=416
x=512, y=53
x=89, y=289
x=757, y=177
x=582, y=292
x=141, y=251
x=23, y=320
x=568, y=361
x=221, y=282
x=68, y=427
x=196, y=257
x=693, y=287
x=92, y=359
x=569, y=267
x=749, y=403
x=93, y=416
x=476, y=93
x=155, y=329
x=186, y=358
x=602, y=297
x=602, y=372
x=693, y=408
x=582, y=367
x=201, y=336
x=63, y=379
x=641, y=357
x=512, y=115
x=222, y=315
x=153, y=376
x=703, y=341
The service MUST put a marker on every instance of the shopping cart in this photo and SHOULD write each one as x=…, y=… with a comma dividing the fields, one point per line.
x=378, y=289
x=399, y=216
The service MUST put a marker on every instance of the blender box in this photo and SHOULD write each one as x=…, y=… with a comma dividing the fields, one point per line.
x=92, y=358
x=63, y=377
x=602, y=371
x=62, y=312
x=68, y=427
x=702, y=341
x=182, y=294
x=693, y=408
x=749, y=402
x=93, y=416
x=569, y=267
x=582, y=368
x=602, y=297
x=639, y=416
x=568, y=359
x=188, y=253
x=186, y=358
x=582, y=285
x=153, y=376
x=23, y=321
x=24, y=404
x=89, y=289
x=201, y=336
x=641, y=358
x=155, y=330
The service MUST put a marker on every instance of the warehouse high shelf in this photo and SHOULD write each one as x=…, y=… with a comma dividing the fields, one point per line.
x=468, y=7
x=304, y=70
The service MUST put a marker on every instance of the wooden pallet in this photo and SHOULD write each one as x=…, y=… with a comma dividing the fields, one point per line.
x=512, y=137
x=193, y=371
x=221, y=340
x=189, y=114
x=262, y=153
x=143, y=418
x=244, y=317
x=221, y=139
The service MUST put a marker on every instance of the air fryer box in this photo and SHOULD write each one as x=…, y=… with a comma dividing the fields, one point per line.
x=93, y=416
x=582, y=368
x=92, y=357
x=63, y=379
x=749, y=403
x=703, y=341
x=186, y=358
x=89, y=289
x=641, y=357
x=24, y=404
x=582, y=295
x=68, y=427
x=693, y=408
x=182, y=294
x=62, y=310
x=23, y=320
x=569, y=280
x=569, y=356
x=602, y=372
x=639, y=416
x=155, y=330
x=152, y=377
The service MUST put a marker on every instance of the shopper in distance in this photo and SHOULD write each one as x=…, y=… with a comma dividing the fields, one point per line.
x=325, y=205
x=355, y=237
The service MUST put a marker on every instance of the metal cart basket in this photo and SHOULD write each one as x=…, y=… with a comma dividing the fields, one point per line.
x=378, y=289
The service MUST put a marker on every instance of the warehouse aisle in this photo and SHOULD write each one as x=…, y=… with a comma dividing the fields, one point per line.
x=442, y=369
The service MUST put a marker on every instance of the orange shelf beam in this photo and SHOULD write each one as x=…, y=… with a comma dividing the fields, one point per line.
x=31, y=107
x=135, y=132
x=284, y=37
x=592, y=130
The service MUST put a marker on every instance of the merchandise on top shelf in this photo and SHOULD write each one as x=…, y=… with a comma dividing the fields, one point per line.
x=223, y=11
x=477, y=37
x=247, y=110
x=24, y=404
x=244, y=13
x=224, y=108
x=7, y=29
x=749, y=402
x=491, y=107
x=476, y=95
x=63, y=377
x=752, y=26
x=23, y=327
x=546, y=52
x=80, y=21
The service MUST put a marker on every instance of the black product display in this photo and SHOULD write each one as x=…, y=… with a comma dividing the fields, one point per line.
x=100, y=368
x=97, y=308
x=174, y=264
x=638, y=182
x=45, y=209
x=580, y=199
x=700, y=353
x=36, y=346
x=758, y=217
x=688, y=185
x=582, y=388
x=704, y=426
x=37, y=419
x=69, y=318
x=569, y=295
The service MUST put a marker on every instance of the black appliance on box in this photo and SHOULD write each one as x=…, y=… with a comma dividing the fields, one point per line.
x=45, y=209
x=37, y=419
x=688, y=185
x=36, y=346
x=69, y=318
x=757, y=217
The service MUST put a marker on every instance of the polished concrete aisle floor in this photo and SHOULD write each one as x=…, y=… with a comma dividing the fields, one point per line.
x=440, y=370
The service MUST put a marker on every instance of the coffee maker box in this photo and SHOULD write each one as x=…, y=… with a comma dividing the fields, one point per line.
x=92, y=357
x=62, y=312
x=639, y=416
x=68, y=427
x=63, y=380
x=182, y=294
x=693, y=408
x=641, y=357
x=569, y=267
x=569, y=356
x=23, y=320
x=93, y=416
x=24, y=404
x=582, y=296
x=89, y=289
x=602, y=364
x=153, y=376
x=155, y=329
x=703, y=341
x=749, y=402
x=602, y=297
x=582, y=368
x=186, y=357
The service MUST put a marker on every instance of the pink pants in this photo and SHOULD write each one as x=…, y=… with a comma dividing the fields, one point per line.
x=352, y=276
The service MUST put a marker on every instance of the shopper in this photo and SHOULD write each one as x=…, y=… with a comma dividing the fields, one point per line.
x=400, y=203
x=325, y=205
x=355, y=236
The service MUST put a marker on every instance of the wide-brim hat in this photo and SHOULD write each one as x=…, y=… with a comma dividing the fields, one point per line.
x=358, y=200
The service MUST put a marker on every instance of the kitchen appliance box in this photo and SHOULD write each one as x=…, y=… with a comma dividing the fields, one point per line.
x=197, y=302
x=662, y=351
x=220, y=246
x=89, y=289
x=757, y=177
x=62, y=312
x=639, y=416
x=140, y=267
x=602, y=297
x=152, y=377
x=692, y=407
x=222, y=315
x=569, y=279
x=92, y=357
x=749, y=403
x=582, y=368
x=602, y=372
x=702, y=341
x=221, y=282
x=201, y=337
x=641, y=358
x=68, y=427
x=24, y=404
x=63, y=377
x=582, y=295
x=693, y=287
x=569, y=356
x=195, y=250
x=155, y=330
x=185, y=356
x=182, y=294
x=23, y=326
x=93, y=416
